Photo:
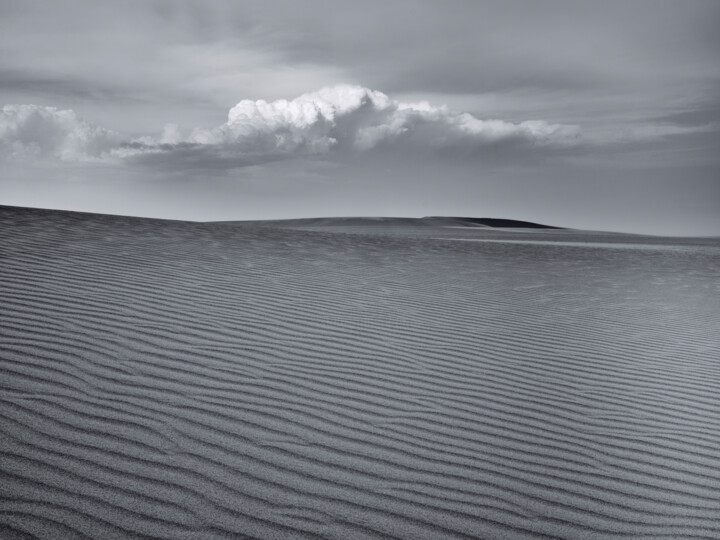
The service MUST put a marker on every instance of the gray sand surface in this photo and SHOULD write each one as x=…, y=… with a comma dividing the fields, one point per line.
x=186, y=380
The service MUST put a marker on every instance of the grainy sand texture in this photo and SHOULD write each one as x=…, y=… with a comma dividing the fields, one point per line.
x=366, y=378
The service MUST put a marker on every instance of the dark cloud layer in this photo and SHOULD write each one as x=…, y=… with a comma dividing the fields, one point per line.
x=225, y=51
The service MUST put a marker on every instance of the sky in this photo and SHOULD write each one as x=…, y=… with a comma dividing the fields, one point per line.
x=592, y=115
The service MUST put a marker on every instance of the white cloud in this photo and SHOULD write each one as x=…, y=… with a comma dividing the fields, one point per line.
x=32, y=131
x=359, y=118
x=337, y=118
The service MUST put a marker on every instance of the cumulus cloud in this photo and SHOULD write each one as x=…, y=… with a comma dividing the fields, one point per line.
x=341, y=118
x=353, y=117
x=32, y=131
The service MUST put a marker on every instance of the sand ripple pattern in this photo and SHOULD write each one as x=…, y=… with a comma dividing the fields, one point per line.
x=180, y=380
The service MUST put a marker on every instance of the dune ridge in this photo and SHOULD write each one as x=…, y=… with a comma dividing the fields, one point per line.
x=171, y=379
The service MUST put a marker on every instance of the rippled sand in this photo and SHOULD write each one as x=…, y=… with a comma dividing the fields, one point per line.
x=354, y=379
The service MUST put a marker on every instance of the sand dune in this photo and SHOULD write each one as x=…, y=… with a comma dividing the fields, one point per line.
x=287, y=380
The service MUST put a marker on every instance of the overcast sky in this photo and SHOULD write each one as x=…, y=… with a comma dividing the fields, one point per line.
x=600, y=115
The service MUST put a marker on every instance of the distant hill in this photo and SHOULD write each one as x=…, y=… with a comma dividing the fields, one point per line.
x=429, y=221
x=494, y=222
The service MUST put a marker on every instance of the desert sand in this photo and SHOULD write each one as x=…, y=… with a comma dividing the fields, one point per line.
x=355, y=378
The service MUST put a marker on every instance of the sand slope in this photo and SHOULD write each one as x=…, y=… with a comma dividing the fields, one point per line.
x=186, y=380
